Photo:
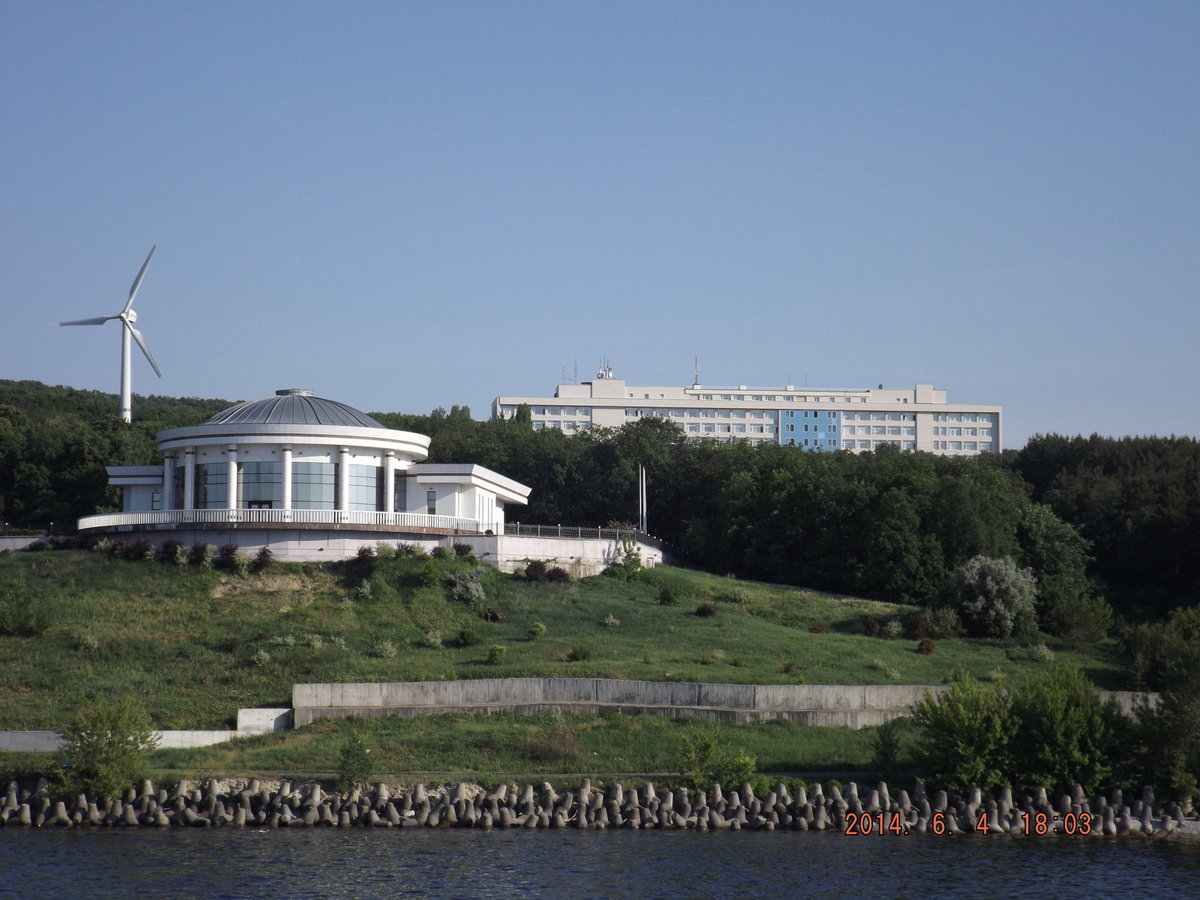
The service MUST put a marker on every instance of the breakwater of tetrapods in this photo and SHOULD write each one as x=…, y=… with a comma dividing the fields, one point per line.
x=877, y=810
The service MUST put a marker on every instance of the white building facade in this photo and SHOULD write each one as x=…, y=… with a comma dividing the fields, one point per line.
x=816, y=420
x=308, y=477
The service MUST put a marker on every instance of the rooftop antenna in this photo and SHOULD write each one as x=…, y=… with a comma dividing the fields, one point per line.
x=696, y=371
x=127, y=316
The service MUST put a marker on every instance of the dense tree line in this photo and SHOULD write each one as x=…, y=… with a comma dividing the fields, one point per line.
x=56, y=441
x=1089, y=517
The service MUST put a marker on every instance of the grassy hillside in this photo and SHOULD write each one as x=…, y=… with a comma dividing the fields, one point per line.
x=195, y=644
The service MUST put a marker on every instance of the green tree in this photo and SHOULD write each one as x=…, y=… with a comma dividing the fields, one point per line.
x=355, y=764
x=1063, y=733
x=108, y=745
x=964, y=735
x=993, y=597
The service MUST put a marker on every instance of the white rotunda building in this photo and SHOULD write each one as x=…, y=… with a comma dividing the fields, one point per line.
x=307, y=477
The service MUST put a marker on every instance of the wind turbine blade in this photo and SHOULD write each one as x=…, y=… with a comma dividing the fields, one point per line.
x=99, y=320
x=137, y=336
x=137, y=282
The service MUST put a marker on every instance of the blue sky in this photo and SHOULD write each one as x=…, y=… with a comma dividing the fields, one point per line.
x=411, y=205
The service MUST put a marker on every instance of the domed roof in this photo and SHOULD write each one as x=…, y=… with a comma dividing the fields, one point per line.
x=293, y=406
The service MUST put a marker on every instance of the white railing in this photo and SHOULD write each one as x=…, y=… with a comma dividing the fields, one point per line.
x=187, y=517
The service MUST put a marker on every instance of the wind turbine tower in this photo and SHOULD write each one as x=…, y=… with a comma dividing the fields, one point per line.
x=127, y=316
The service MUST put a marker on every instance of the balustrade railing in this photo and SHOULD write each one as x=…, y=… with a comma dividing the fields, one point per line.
x=332, y=517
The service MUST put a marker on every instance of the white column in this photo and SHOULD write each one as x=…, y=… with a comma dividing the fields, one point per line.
x=287, y=477
x=231, y=476
x=168, y=494
x=389, y=481
x=343, y=481
x=189, y=478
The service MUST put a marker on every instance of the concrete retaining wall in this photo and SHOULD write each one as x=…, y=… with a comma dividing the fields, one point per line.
x=852, y=706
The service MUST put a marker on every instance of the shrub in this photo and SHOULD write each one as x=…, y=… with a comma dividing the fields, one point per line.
x=993, y=597
x=704, y=760
x=468, y=637
x=439, y=552
x=25, y=615
x=706, y=610
x=384, y=550
x=669, y=594
x=580, y=653
x=1040, y=653
x=558, y=575
x=1081, y=622
x=535, y=570
x=261, y=657
x=463, y=551
x=263, y=559
x=108, y=745
x=536, y=630
x=893, y=629
x=355, y=765
x=871, y=626
x=493, y=614
x=611, y=621
x=886, y=749
x=203, y=555
x=496, y=654
x=232, y=559
x=175, y=553
x=926, y=646
x=466, y=588
x=940, y=624
x=386, y=649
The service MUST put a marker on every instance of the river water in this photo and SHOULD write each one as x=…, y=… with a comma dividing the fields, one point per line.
x=462, y=864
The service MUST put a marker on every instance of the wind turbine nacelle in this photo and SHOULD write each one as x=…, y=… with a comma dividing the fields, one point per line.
x=131, y=315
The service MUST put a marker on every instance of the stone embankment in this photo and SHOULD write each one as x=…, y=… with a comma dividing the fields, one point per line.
x=874, y=811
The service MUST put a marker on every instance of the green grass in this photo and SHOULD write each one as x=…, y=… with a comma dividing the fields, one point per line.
x=472, y=747
x=195, y=645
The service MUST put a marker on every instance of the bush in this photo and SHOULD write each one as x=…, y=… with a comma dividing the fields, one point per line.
x=463, y=551
x=466, y=588
x=108, y=745
x=706, y=610
x=611, y=621
x=669, y=594
x=965, y=732
x=493, y=614
x=1082, y=622
x=439, y=553
x=386, y=649
x=871, y=626
x=536, y=630
x=203, y=555
x=704, y=760
x=580, y=653
x=886, y=749
x=175, y=553
x=1040, y=653
x=231, y=559
x=263, y=559
x=926, y=646
x=468, y=637
x=558, y=575
x=496, y=654
x=25, y=615
x=993, y=597
x=535, y=570
x=941, y=623
x=355, y=765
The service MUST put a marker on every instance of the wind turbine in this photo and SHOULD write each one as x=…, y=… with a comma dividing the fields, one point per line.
x=127, y=316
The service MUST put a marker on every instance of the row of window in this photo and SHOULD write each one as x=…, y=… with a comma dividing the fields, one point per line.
x=956, y=431
x=694, y=428
x=260, y=486
x=985, y=446
x=961, y=417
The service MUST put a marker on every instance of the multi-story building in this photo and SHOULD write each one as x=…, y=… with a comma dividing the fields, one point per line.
x=822, y=420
